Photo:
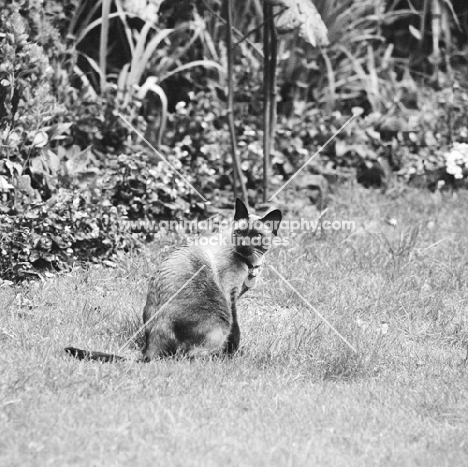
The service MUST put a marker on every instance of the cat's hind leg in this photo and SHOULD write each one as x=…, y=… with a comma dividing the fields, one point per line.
x=232, y=343
x=233, y=340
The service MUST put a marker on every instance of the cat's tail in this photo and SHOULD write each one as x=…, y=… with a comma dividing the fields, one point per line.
x=89, y=355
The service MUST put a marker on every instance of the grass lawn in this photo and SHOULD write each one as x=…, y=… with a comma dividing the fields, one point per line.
x=295, y=395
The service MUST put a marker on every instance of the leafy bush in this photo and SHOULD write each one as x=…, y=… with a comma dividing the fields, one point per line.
x=87, y=216
x=422, y=142
x=73, y=175
x=49, y=235
x=65, y=202
x=28, y=107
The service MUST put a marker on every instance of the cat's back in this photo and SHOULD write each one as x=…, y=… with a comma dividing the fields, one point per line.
x=182, y=275
x=207, y=251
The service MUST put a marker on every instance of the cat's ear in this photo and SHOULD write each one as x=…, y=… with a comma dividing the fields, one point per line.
x=273, y=220
x=241, y=211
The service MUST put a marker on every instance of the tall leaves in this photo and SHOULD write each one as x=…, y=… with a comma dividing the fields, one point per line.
x=301, y=15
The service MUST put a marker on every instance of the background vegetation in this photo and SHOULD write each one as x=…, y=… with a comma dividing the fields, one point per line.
x=72, y=170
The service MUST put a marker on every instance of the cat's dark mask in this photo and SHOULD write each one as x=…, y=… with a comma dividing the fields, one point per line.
x=242, y=221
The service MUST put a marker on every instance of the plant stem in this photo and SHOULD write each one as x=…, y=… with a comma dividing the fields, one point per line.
x=267, y=11
x=106, y=4
x=272, y=71
x=230, y=103
x=254, y=30
x=237, y=32
x=436, y=19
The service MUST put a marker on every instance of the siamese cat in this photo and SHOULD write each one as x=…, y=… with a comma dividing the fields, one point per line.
x=191, y=303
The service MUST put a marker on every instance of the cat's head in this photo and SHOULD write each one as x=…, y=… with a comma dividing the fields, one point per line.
x=252, y=235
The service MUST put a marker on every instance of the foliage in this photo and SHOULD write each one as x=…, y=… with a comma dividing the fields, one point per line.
x=53, y=196
x=301, y=16
x=89, y=216
x=73, y=174
x=69, y=228
x=426, y=140
x=456, y=160
x=28, y=110
x=155, y=54
x=363, y=62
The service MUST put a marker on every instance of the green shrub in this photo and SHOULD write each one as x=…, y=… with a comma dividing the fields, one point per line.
x=61, y=202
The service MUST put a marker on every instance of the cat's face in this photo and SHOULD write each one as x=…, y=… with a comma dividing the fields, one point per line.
x=252, y=235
